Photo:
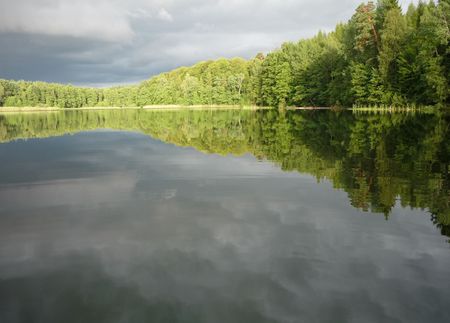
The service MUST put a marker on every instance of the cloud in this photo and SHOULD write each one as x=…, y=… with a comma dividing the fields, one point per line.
x=89, y=19
x=99, y=42
x=164, y=15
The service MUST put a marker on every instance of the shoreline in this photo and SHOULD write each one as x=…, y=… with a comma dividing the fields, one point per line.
x=209, y=107
x=147, y=108
x=157, y=108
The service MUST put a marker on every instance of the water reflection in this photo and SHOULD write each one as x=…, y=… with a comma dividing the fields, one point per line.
x=108, y=226
x=377, y=159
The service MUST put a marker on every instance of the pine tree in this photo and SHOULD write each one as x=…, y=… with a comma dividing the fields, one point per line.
x=392, y=41
x=383, y=8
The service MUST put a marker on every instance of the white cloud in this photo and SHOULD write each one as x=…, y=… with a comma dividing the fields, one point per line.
x=164, y=15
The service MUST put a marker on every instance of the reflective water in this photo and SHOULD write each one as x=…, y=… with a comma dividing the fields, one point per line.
x=225, y=216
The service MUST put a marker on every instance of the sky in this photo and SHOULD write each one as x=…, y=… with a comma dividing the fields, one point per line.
x=107, y=42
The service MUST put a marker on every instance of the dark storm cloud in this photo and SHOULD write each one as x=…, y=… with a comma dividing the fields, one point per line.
x=109, y=42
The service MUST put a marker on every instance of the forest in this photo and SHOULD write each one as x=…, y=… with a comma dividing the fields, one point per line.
x=381, y=57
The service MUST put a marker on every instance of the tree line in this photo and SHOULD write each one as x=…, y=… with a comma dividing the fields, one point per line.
x=380, y=57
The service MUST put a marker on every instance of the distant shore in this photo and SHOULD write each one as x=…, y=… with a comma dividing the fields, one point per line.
x=207, y=107
x=149, y=107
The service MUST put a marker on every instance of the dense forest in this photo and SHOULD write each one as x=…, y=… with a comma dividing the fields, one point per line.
x=379, y=160
x=381, y=57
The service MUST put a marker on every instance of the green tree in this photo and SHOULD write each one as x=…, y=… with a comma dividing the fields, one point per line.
x=2, y=94
x=392, y=41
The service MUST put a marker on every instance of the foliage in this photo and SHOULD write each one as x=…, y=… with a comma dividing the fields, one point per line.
x=214, y=82
x=381, y=57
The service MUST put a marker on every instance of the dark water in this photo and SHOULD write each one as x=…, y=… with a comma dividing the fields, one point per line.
x=139, y=216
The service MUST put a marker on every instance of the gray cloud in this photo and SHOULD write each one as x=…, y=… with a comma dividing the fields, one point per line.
x=90, y=19
x=109, y=42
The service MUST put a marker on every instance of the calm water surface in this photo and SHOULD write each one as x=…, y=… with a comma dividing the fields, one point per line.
x=226, y=216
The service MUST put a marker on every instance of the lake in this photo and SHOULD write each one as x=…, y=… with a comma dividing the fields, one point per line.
x=224, y=216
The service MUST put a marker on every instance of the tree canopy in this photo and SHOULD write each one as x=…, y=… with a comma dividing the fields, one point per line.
x=380, y=57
